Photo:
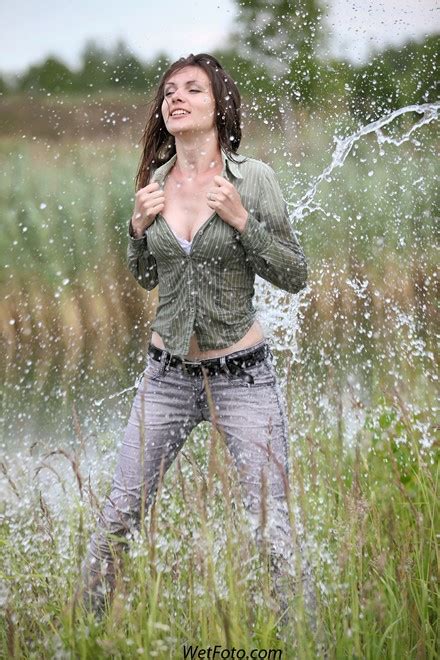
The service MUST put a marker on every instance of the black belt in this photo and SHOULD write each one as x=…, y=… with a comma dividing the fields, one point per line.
x=227, y=364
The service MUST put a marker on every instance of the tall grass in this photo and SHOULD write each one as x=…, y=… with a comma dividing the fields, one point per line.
x=360, y=400
x=191, y=575
x=71, y=309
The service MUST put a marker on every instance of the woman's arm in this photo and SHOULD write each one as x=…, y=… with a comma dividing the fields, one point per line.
x=270, y=242
x=141, y=263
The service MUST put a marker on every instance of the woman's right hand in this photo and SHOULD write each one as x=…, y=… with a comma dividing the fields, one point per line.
x=149, y=201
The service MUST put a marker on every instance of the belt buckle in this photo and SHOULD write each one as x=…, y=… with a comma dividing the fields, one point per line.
x=191, y=362
x=190, y=366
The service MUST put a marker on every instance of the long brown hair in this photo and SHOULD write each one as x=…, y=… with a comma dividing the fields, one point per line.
x=159, y=145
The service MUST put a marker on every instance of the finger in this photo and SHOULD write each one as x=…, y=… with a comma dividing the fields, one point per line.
x=156, y=194
x=212, y=204
x=221, y=181
x=151, y=195
x=218, y=197
x=151, y=187
x=149, y=207
x=157, y=209
x=147, y=204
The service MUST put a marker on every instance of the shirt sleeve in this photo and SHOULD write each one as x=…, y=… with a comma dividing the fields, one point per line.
x=141, y=263
x=270, y=242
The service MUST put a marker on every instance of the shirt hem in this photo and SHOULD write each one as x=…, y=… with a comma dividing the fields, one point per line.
x=204, y=347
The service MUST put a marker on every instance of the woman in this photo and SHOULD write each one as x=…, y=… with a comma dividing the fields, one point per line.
x=205, y=221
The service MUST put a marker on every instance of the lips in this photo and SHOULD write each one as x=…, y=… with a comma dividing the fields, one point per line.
x=180, y=112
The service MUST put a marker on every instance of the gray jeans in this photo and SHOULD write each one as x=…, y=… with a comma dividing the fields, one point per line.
x=168, y=405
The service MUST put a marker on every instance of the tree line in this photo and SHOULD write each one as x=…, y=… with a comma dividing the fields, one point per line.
x=273, y=54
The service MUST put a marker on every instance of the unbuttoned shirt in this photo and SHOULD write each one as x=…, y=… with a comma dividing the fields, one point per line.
x=209, y=291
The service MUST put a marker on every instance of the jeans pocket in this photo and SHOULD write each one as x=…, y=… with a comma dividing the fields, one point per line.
x=263, y=375
x=154, y=369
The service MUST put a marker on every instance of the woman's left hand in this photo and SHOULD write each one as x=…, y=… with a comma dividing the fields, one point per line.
x=223, y=198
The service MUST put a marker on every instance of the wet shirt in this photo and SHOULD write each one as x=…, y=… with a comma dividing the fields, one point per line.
x=207, y=289
x=184, y=243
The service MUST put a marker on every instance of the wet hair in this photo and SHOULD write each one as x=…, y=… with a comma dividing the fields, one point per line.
x=159, y=145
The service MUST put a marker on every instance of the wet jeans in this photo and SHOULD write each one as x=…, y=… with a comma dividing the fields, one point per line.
x=168, y=405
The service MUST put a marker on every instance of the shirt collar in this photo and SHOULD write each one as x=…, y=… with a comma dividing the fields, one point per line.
x=229, y=164
x=160, y=174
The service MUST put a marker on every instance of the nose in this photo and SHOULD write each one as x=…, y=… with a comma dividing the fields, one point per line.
x=176, y=96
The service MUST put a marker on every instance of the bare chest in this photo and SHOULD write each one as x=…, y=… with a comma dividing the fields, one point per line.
x=186, y=206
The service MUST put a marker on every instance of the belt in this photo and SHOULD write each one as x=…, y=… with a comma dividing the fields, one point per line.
x=226, y=364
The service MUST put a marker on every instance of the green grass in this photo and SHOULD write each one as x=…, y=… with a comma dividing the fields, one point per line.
x=192, y=577
x=70, y=305
x=361, y=396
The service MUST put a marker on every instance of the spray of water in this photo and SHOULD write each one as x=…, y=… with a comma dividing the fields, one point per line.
x=344, y=146
x=277, y=310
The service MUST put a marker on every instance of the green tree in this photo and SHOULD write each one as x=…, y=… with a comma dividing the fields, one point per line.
x=95, y=73
x=155, y=68
x=374, y=90
x=126, y=71
x=417, y=67
x=4, y=87
x=51, y=76
x=283, y=37
x=118, y=68
x=247, y=74
x=395, y=77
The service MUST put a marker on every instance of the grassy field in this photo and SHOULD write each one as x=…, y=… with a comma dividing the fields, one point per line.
x=360, y=395
x=191, y=576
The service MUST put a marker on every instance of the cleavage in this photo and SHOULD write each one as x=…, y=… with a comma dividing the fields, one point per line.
x=179, y=230
x=184, y=202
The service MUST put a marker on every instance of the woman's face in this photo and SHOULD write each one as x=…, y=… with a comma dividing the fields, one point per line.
x=188, y=104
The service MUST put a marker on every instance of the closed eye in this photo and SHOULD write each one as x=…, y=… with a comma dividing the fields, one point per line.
x=197, y=91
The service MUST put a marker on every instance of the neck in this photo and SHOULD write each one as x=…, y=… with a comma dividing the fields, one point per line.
x=197, y=157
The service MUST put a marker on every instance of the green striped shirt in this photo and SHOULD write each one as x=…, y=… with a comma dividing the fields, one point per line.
x=209, y=291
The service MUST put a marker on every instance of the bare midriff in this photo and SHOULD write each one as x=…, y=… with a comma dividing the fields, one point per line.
x=254, y=335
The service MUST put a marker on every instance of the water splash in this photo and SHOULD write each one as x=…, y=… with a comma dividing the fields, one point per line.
x=99, y=402
x=344, y=145
x=277, y=310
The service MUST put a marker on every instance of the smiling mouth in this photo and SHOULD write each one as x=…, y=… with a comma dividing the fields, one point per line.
x=179, y=113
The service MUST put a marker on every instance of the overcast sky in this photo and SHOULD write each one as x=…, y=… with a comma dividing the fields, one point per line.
x=34, y=29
